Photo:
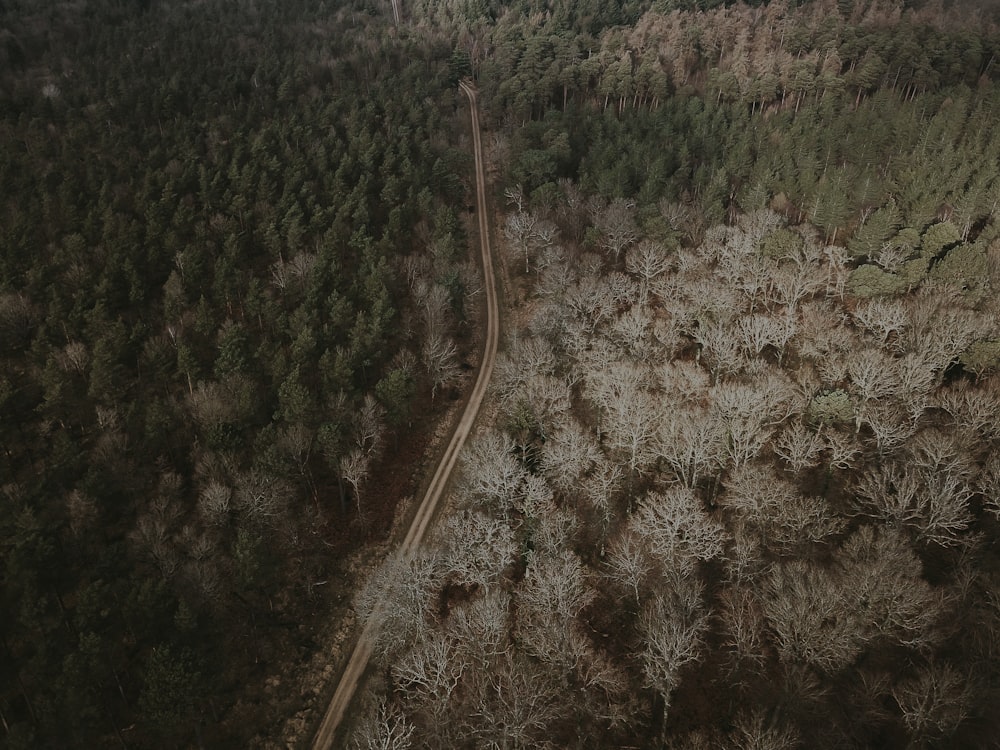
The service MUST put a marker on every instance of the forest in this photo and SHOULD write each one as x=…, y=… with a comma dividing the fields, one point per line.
x=232, y=289
x=740, y=486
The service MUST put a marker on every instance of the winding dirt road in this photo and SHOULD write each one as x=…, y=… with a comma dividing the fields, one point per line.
x=355, y=668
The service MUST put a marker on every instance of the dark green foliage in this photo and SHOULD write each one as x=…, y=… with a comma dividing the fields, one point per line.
x=172, y=694
x=870, y=237
x=201, y=214
x=395, y=392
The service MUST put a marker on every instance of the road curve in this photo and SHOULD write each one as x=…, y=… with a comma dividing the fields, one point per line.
x=418, y=528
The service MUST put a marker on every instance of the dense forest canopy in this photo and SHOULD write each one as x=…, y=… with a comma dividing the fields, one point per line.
x=208, y=331
x=743, y=485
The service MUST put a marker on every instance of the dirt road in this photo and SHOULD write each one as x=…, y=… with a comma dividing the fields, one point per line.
x=362, y=651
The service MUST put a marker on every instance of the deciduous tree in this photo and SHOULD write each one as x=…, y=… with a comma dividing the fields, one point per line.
x=934, y=702
x=672, y=627
x=383, y=728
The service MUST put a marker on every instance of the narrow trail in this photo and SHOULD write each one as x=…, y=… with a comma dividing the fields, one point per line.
x=355, y=668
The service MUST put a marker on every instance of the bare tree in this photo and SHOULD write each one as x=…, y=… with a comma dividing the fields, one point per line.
x=760, y=223
x=677, y=215
x=624, y=289
x=754, y=730
x=491, y=476
x=629, y=411
x=211, y=405
x=934, y=503
x=369, y=423
x=677, y=529
x=475, y=547
x=783, y=517
x=749, y=412
x=795, y=282
x=884, y=318
x=616, y=223
x=214, y=503
x=870, y=371
x=824, y=617
x=838, y=269
x=882, y=588
x=940, y=326
x=648, y=261
x=988, y=483
x=934, y=702
x=742, y=621
x=294, y=273
x=401, y=593
x=569, y=453
x=155, y=532
x=428, y=673
x=672, y=626
x=513, y=705
x=524, y=358
x=704, y=300
x=383, y=728
x=515, y=197
x=262, y=497
x=975, y=412
x=691, y=442
x=940, y=452
x=547, y=398
x=601, y=486
x=745, y=563
x=82, y=511
x=417, y=267
x=628, y=561
x=553, y=527
x=823, y=339
x=891, y=426
x=607, y=694
x=915, y=379
x=631, y=331
x=354, y=468
x=684, y=381
x=440, y=357
x=73, y=357
x=746, y=271
x=519, y=229
x=805, y=616
x=591, y=300
x=720, y=347
x=667, y=334
x=557, y=273
x=203, y=568
x=800, y=447
x=757, y=332
x=296, y=442
x=482, y=627
x=554, y=591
